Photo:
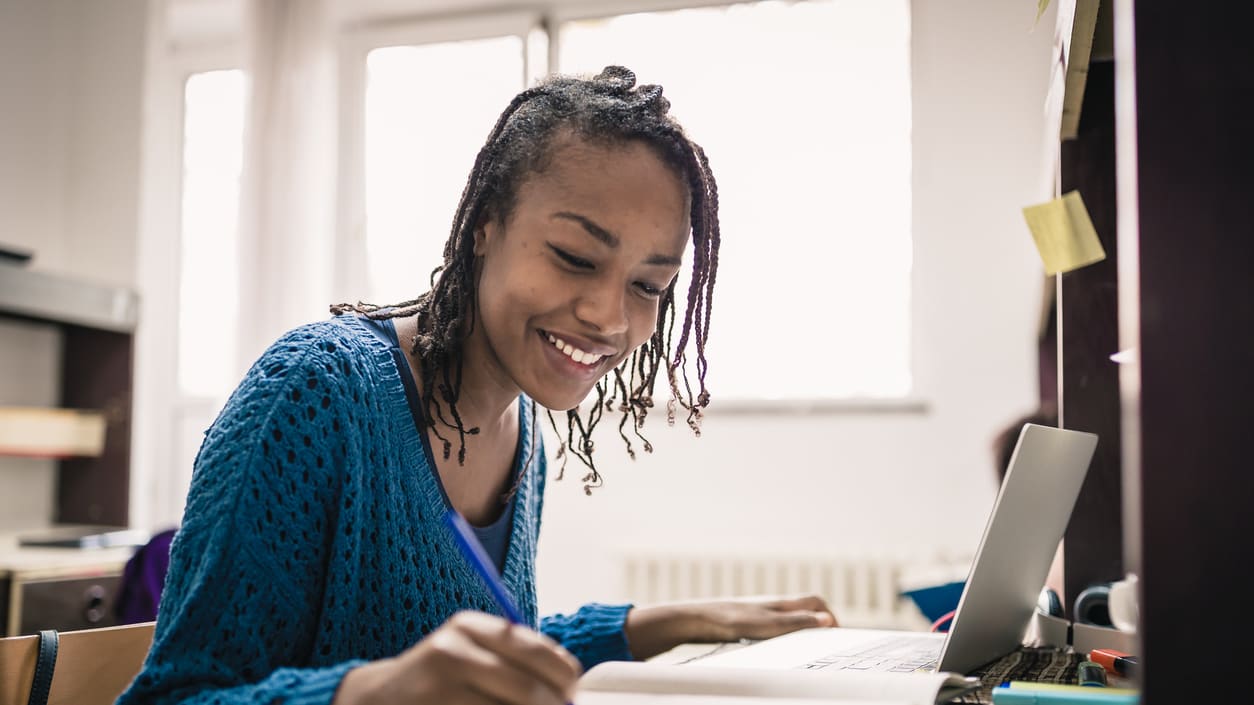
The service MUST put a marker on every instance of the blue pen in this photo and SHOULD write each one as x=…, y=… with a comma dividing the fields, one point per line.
x=473, y=551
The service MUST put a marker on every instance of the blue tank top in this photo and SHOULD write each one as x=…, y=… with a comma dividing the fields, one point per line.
x=495, y=536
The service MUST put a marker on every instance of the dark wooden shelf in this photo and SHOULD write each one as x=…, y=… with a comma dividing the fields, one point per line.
x=97, y=325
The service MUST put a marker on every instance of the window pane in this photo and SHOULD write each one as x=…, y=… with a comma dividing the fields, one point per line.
x=425, y=123
x=213, y=147
x=804, y=110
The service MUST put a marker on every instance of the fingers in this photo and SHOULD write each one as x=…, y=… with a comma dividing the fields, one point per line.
x=813, y=603
x=472, y=659
x=771, y=617
x=521, y=654
x=772, y=624
x=805, y=619
x=823, y=615
x=500, y=681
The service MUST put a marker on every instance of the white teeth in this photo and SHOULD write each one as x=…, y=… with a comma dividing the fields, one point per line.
x=574, y=353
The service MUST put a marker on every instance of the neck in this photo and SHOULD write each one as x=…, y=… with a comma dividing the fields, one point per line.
x=487, y=398
x=477, y=482
x=488, y=394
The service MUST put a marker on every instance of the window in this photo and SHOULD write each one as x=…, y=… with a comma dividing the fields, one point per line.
x=816, y=260
x=424, y=124
x=804, y=109
x=213, y=146
x=208, y=256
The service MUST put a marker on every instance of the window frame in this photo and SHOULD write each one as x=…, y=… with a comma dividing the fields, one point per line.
x=371, y=32
x=915, y=401
x=160, y=404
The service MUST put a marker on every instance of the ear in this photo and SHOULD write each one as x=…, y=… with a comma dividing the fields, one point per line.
x=486, y=232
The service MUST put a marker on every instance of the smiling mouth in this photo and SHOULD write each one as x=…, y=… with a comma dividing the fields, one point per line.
x=576, y=355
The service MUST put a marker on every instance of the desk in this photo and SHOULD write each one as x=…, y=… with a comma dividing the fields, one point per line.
x=57, y=588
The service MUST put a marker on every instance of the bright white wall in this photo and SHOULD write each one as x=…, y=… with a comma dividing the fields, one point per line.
x=866, y=483
x=102, y=213
x=33, y=126
x=71, y=79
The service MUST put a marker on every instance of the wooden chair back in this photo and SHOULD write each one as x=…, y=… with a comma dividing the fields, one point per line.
x=93, y=666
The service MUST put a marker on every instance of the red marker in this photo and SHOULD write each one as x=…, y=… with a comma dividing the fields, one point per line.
x=1115, y=662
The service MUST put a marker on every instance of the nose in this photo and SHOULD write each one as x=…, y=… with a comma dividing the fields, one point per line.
x=603, y=308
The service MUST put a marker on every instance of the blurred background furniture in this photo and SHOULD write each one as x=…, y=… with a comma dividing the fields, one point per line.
x=68, y=586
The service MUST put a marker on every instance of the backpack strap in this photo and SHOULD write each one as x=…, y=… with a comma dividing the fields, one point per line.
x=44, y=666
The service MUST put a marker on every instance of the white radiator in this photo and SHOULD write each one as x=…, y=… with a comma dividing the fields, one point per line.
x=864, y=592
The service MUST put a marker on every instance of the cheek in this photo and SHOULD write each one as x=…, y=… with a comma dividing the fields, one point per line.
x=644, y=317
x=497, y=302
x=510, y=288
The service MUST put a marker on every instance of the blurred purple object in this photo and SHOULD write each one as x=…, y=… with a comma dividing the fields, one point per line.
x=143, y=580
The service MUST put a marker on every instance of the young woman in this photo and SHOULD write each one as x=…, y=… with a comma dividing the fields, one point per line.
x=312, y=565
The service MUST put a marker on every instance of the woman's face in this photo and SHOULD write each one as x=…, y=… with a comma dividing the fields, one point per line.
x=570, y=283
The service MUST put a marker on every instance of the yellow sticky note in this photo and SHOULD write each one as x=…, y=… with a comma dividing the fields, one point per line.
x=1064, y=233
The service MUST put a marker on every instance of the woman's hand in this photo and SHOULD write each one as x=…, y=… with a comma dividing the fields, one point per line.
x=472, y=658
x=653, y=630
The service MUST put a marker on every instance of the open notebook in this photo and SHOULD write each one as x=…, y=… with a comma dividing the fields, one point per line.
x=632, y=683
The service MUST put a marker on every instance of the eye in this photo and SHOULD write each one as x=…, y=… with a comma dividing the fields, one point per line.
x=649, y=290
x=572, y=260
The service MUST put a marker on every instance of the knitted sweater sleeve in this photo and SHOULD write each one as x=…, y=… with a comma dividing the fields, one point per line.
x=240, y=608
x=593, y=634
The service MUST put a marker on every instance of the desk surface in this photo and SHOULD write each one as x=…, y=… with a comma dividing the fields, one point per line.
x=33, y=563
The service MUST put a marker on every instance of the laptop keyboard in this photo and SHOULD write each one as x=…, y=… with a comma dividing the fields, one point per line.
x=898, y=654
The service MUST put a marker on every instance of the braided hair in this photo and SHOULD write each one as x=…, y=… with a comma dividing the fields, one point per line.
x=608, y=109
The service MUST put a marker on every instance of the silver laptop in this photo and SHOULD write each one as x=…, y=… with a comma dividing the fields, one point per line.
x=1028, y=520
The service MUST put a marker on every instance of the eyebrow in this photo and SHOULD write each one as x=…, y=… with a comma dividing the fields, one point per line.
x=611, y=240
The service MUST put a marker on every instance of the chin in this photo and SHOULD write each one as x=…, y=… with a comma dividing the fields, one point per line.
x=560, y=401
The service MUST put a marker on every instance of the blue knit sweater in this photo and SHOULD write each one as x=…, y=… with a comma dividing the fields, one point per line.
x=312, y=539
